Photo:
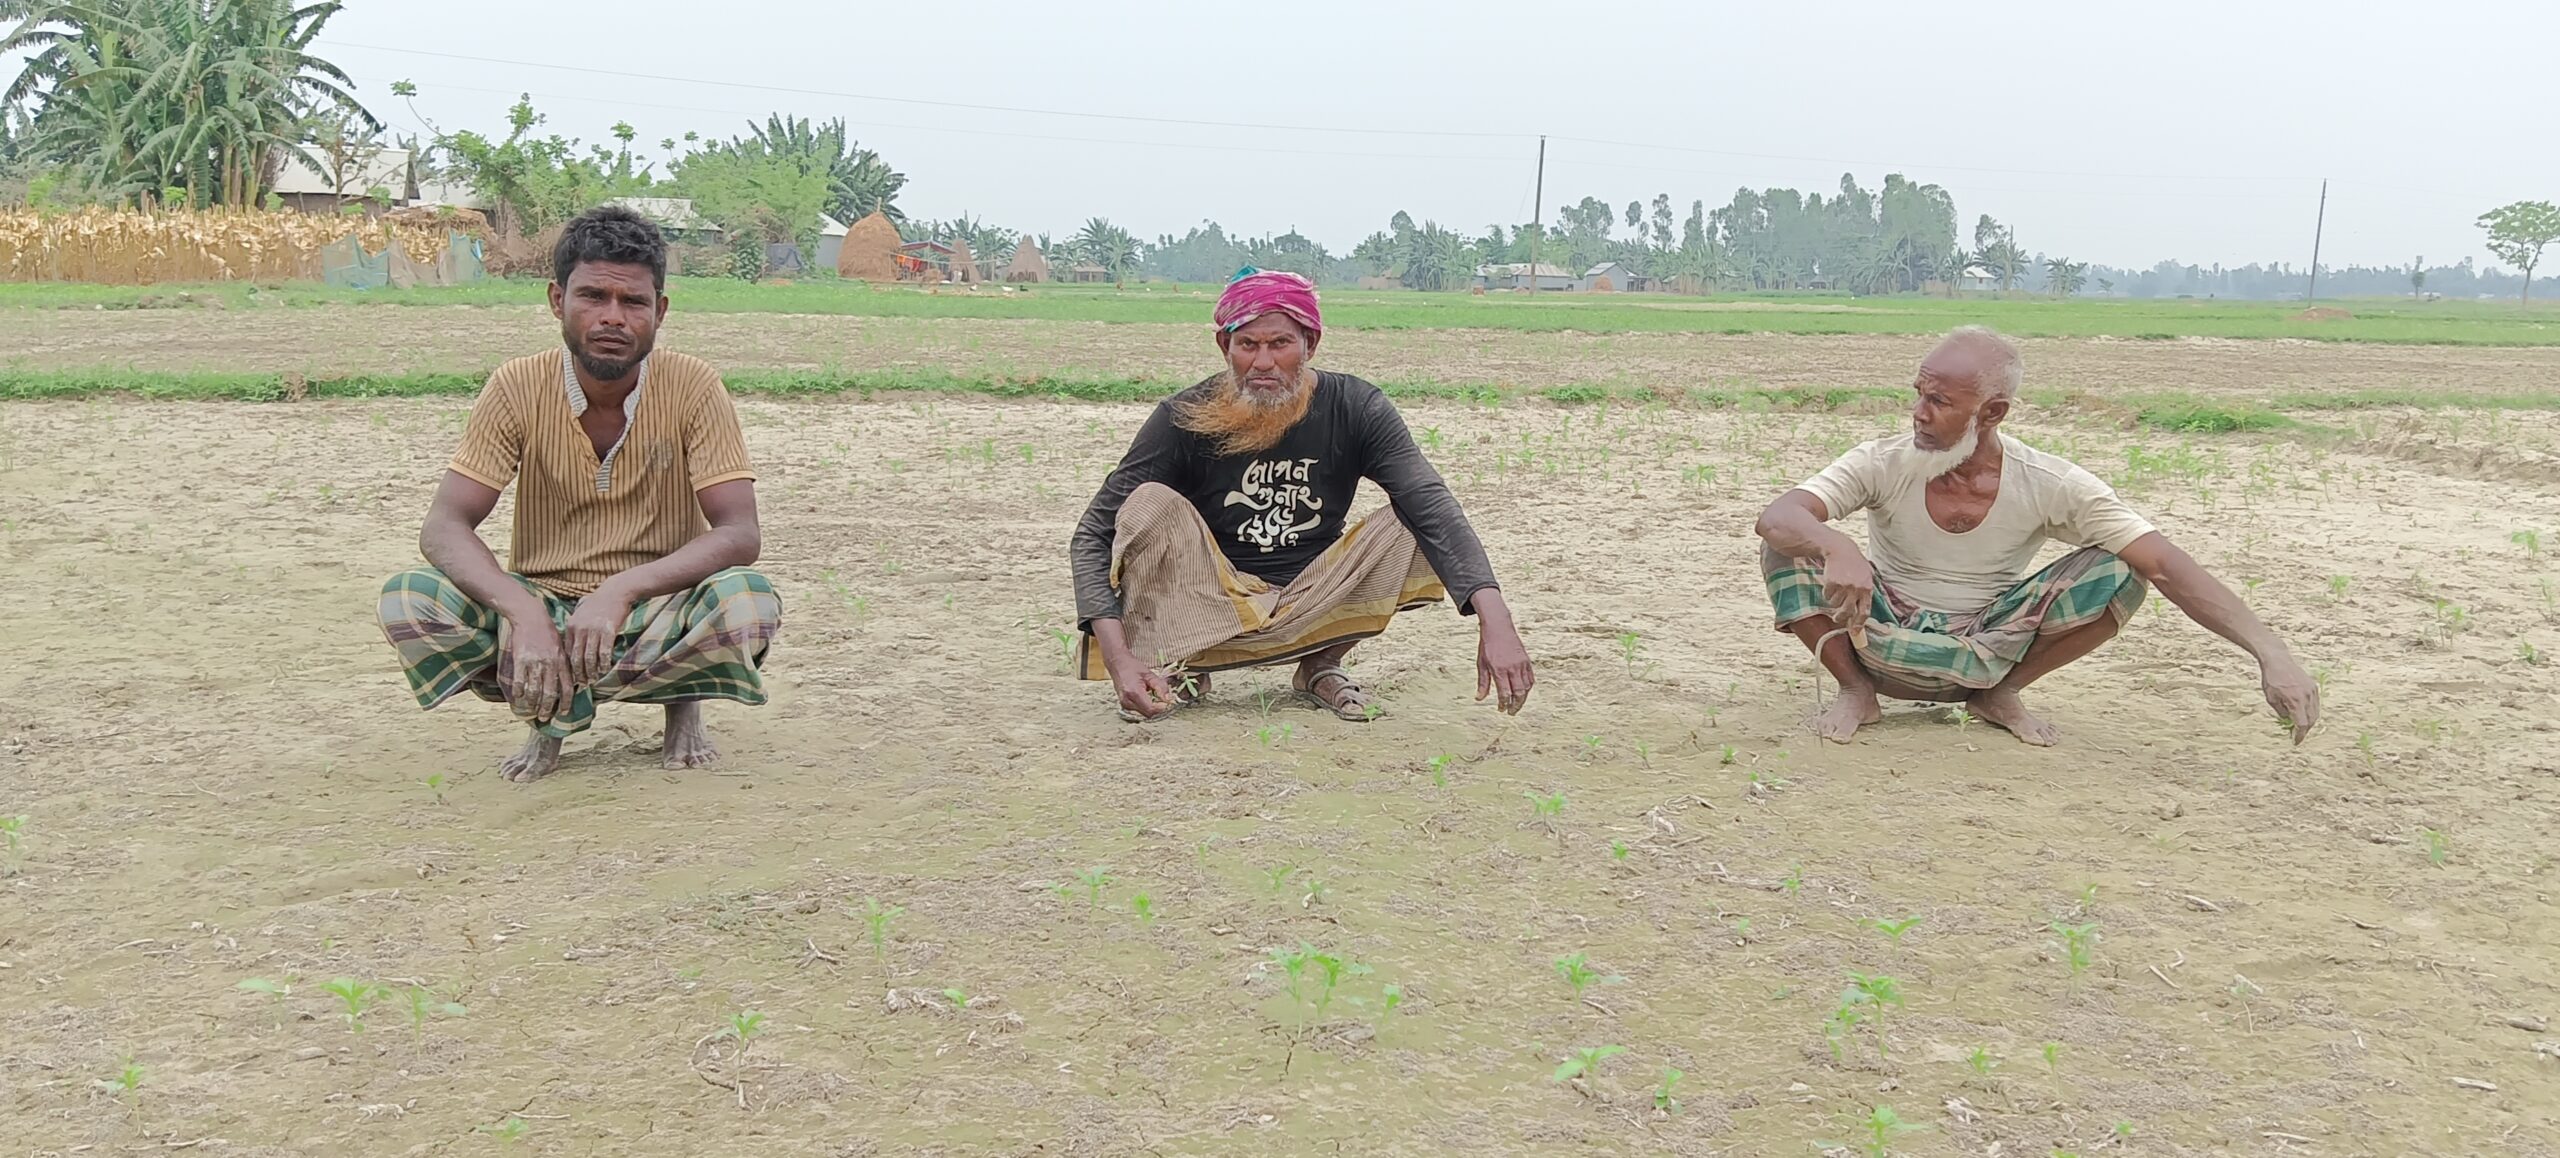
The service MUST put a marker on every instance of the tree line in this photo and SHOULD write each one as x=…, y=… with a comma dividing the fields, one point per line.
x=205, y=102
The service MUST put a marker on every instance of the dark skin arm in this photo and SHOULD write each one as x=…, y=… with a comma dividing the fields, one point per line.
x=1798, y=526
x=734, y=540
x=542, y=670
x=2291, y=691
x=1144, y=688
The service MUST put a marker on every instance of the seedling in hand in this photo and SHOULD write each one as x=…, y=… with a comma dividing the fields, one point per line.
x=1585, y=1063
x=356, y=997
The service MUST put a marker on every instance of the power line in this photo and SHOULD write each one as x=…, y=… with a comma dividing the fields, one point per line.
x=625, y=74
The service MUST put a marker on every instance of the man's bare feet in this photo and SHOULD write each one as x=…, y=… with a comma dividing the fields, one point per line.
x=1852, y=709
x=2003, y=707
x=688, y=742
x=538, y=757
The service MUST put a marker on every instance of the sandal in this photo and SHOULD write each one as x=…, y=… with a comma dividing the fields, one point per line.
x=1351, y=702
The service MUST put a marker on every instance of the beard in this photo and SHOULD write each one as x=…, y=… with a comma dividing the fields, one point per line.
x=614, y=367
x=1242, y=421
x=1919, y=467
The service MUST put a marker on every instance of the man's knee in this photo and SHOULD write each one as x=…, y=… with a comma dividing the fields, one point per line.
x=419, y=593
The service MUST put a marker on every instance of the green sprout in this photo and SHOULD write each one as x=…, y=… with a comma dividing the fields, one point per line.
x=2531, y=541
x=12, y=829
x=1546, y=806
x=129, y=1081
x=1278, y=878
x=744, y=1026
x=1663, y=1102
x=1618, y=851
x=1880, y=1127
x=1440, y=769
x=2438, y=847
x=2053, y=1057
x=1585, y=1063
x=1093, y=879
x=1728, y=756
x=356, y=997
x=1863, y=1001
x=1145, y=907
x=1892, y=929
x=876, y=917
x=510, y=1131
x=2337, y=587
x=958, y=998
x=1794, y=882
x=1630, y=644
x=1982, y=1061
x=1390, y=999
x=435, y=785
x=1577, y=971
x=425, y=1003
x=2077, y=940
x=280, y=990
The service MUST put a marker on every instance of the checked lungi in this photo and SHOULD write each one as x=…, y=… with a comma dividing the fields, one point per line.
x=1952, y=653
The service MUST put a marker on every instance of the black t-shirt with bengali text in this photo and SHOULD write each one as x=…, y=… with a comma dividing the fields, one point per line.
x=1273, y=511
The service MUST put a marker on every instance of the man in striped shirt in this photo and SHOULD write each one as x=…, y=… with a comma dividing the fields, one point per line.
x=635, y=520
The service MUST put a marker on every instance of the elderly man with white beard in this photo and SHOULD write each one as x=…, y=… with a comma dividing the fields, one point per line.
x=1955, y=512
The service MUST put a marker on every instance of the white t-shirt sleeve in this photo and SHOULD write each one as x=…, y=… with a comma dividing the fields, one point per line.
x=1852, y=483
x=2085, y=512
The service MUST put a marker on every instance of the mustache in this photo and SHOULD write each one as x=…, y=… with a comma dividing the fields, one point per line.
x=1239, y=421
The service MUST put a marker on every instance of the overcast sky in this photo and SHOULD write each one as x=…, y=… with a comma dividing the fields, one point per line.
x=2122, y=135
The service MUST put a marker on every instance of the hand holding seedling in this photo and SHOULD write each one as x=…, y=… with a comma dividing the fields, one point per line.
x=2292, y=692
x=1502, y=661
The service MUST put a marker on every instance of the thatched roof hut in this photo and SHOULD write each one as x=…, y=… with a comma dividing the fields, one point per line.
x=1028, y=264
x=870, y=251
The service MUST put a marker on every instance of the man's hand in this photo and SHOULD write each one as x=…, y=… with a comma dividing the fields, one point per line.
x=2293, y=694
x=1848, y=587
x=1502, y=661
x=533, y=673
x=593, y=629
x=1143, y=690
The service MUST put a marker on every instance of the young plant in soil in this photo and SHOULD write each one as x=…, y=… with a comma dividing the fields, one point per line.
x=424, y=1003
x=355, y=997
x=2077, y=941
x=1863, y=1001
x=508, y=1132
x=1585, y=1063
x=279, y=990
x=1145, y=907
x=1876, y=1132
x=1577, y=972
x=12, y=835
x=743, y=1026
x=1093, y=879
x=2438, y=847
x=1893, y=930
x=1663, y=1102
x=1439, y=766
x=876, y=917
x=128, y=1084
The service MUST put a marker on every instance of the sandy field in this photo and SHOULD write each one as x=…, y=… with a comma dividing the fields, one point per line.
x=2349, y=947
x=323, y=340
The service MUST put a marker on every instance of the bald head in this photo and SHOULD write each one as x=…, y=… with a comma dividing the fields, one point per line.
x=1978, y=359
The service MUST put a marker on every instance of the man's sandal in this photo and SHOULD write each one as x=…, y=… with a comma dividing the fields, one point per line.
x=1352, y=701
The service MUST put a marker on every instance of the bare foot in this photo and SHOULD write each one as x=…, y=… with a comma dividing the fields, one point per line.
x=538, y=757
x=1852, y=709
x=2003, y=707
x=688, y=742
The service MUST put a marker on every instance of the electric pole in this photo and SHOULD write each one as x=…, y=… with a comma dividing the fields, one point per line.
x=1537, y=214
x=2317, y=226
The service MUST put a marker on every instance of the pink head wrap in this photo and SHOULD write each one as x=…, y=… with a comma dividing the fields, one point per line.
x=1256, y=292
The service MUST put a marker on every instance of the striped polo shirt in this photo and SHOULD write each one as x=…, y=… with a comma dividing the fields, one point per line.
x=582, y=518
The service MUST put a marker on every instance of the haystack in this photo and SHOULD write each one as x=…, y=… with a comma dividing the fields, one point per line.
x=1602, y=285
x=870, y=250
x=1028, y=264
x=964, y=266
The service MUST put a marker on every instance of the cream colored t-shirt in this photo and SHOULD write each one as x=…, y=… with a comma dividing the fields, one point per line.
x=2042, y=497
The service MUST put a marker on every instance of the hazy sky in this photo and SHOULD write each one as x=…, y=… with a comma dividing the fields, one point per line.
x=2168, y=129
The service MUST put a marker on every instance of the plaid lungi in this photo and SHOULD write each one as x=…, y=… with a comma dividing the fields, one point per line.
x=702, y=644
x=1947, y=652
x=1183, y=604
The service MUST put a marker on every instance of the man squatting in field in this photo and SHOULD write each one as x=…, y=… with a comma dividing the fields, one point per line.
x=1221, y=540
x=1955, y=512
x=635, y=519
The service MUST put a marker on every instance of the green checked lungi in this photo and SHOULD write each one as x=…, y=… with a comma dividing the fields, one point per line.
x=1949, y=652
x=703, y=644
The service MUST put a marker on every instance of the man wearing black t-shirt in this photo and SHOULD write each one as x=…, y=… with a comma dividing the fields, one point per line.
x=1221, y=540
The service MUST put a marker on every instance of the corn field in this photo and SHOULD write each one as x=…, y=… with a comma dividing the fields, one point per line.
x=130, y=247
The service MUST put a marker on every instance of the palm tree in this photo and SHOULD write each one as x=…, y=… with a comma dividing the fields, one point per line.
x=2006, y=260
x=2066, y=275
x=858, y=181
x=1953, y=267
x=1108, y=246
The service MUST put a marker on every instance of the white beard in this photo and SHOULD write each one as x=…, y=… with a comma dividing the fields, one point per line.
x=1918, y=467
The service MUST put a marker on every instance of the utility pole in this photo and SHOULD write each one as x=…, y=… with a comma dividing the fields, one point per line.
x=2317, y=226
x=1537, y=214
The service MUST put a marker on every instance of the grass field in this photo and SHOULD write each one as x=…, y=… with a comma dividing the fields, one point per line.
x=2374, y=320
x=937, y=899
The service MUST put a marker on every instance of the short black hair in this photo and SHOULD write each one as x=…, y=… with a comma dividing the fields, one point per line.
x=610, y=233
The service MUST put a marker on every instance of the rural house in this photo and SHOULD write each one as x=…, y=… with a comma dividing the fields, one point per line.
x=1515, y=275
